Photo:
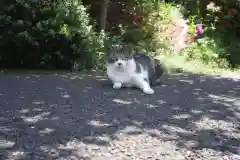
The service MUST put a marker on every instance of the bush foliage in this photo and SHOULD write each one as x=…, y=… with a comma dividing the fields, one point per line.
x=47, y=34
x=54, y=34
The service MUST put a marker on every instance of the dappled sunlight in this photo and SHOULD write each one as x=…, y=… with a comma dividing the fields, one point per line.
x=222, y=98
x=182, y=116
x=130, y=130
x=24, y=111
x=49, y=151
x=225, y=100
x=98, y=123
x=17, y=155
x=120, y=101
x=34, y=119
x=87, y=89
x=206, y=123
x=46, y=131
x=187, y=81
x=237, y=103
x=33, y=115
x=76, y=77
x=38, y=102
x=59, y=88
x=82, y=117
x=102, y=78
x=176, y=131
x=5, y=129
x=161, y=102
x=151, y=106
x=134, y=136
x=80, y=76
x=65, y=95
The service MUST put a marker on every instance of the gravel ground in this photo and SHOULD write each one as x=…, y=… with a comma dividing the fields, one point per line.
x=80, y=117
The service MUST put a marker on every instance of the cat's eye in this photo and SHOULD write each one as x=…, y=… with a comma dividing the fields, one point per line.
x=125, y=58
x=112, y=59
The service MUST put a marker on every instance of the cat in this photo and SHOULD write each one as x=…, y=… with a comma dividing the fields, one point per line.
x=127, y=70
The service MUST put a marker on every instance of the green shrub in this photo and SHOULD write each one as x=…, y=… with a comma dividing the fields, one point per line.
x=158, y=19
x=158, y=26
x=60, y=34
x=221, y=23
x=46, y=34
x=87, y=44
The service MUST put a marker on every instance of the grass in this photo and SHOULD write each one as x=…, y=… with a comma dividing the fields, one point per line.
x=172, y=64
x=203, y=60
x=31, y=72
x=180, y=64
x=207, y=49
x=27, y=72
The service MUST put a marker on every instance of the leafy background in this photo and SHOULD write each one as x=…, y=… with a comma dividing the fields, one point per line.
x=54, y=34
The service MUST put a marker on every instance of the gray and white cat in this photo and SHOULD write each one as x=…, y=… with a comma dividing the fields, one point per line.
x=139, y=70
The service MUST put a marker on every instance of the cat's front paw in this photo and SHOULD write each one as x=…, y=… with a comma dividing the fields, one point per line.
x=117, y=85
x=148, y=91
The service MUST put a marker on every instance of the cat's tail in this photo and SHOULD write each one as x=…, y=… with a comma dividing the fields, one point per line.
x=155, y=80
x=158, y=71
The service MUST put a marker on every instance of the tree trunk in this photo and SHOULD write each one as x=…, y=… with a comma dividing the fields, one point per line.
x=103, y=18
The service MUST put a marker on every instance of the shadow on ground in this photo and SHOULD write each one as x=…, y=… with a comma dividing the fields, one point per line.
x=55, y=115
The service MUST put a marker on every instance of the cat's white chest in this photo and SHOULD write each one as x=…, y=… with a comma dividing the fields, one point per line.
x=119, y=76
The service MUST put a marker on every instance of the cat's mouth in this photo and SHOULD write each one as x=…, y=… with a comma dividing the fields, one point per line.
x=120, y=68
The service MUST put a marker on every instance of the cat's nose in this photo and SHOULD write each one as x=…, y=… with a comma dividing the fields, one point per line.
x=119, y=64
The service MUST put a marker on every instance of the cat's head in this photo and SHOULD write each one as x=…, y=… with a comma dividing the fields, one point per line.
x=120, y=57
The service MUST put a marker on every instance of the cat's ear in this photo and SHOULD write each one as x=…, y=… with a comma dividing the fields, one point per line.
x=111, y=51
x=130, y=50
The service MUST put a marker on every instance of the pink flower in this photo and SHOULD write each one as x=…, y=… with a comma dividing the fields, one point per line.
x=199, y=29
x=123, y=10
x=135, y=18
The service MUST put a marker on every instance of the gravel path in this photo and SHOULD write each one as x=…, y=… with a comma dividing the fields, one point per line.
x=80, y=117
